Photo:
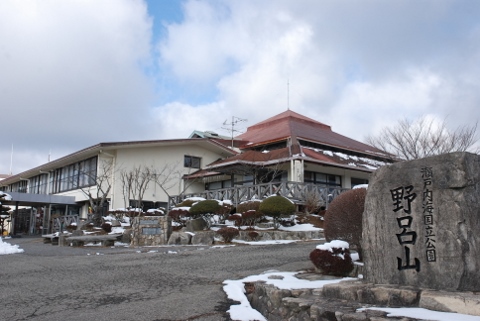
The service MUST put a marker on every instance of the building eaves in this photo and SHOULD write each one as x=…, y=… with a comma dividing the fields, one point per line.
x=105, y=147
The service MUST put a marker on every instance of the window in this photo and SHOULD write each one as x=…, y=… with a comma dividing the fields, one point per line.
x=358, y=181
x=322, y=179
x=191, y=161
x=74, y=176
x=38, y=184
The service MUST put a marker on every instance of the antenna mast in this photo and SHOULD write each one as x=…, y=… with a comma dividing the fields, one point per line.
x=288, y=93
x=232, y=130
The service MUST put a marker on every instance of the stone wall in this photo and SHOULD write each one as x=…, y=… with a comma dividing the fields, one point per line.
x=421, y=224
x=208, y=237
x=344, y=301
x=151, y=230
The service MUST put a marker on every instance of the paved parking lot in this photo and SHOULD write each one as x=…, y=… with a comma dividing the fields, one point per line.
x=122, y=283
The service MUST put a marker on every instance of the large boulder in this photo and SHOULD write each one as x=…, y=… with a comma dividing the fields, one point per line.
x=196, y=224
x=180, y=238
x=422, y=221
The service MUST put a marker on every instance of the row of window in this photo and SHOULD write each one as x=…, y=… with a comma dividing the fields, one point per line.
x=77, y=175
x=74, y=176
x=309, y=177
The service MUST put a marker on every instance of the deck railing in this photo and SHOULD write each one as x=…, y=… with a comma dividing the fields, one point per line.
x=295, y=191
x=60, y=223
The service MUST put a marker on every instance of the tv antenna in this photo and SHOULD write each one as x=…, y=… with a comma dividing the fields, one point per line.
x=231, y=129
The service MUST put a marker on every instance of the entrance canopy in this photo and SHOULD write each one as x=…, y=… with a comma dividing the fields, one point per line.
x=27, y=199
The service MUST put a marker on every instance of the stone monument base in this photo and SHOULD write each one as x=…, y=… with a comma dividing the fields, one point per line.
x=353, y=300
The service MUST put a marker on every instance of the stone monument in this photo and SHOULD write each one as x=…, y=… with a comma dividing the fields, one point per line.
x=421, y=225
x=151, y=230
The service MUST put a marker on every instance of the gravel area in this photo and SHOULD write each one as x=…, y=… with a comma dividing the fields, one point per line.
x=123, y=283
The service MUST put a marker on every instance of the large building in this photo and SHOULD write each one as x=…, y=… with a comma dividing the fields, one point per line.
x=292, y=147
x=288, y=147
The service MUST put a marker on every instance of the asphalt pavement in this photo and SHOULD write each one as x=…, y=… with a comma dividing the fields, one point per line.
x=124, y=283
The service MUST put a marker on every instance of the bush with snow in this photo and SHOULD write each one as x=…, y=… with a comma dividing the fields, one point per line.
x=204, y=207
x=179, y=216
x=333, y=258
x=188, y=202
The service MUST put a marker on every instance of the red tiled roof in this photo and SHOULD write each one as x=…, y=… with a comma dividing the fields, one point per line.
x=332, y=149
x=291, y=124
x=326, y=157
x=253, y=157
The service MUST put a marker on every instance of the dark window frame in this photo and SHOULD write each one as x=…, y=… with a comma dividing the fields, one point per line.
x=192, y=161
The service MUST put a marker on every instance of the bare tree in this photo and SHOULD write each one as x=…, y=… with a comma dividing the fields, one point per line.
x=97, y=194
x=424, y=137
x=167, y=177
x=127, y=178
x=136, y=181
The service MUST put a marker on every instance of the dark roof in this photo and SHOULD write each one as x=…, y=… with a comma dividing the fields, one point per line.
x=312, y=155
x=105, y=147
x=305, y=139
x=290, y=124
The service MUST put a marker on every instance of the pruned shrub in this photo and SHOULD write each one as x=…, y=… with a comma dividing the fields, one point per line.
x=277, y=206
x=179, y=217
x=251, y=218
x=204, y=207
x=333, y=258
x=248, y=206
x=228, y=233
x=223, y=212
x=343, y=218
x=107, y=227
x=187, y=202
x=254, y=236
x=236, y=218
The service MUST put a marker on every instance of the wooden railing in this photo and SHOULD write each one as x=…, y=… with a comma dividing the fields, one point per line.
x=60, y=223
x=295, y=191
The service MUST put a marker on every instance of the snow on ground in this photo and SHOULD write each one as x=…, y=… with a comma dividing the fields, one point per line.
x=235, y=290
x=243, y=311
x=300, y=227
x=419, y=313
x=7, y=248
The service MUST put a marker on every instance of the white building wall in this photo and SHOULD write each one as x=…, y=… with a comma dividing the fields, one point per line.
x=166, y=160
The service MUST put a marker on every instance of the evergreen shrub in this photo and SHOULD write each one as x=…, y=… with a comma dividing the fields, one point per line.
x=248, y=206
x=277, y=206
x=204, y=207
x=187, y=203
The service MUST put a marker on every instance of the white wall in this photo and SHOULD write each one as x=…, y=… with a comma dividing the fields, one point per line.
x=161, y=158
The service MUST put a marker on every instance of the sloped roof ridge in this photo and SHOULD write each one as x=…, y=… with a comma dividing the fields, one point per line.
x=285, y=115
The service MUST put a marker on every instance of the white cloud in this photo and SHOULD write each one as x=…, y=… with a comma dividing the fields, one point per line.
x=81, y=72
x=177, y=120
x=355, y=66
x=72, y=73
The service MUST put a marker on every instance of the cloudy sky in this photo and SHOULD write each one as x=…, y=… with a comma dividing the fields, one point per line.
x=79, y=72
